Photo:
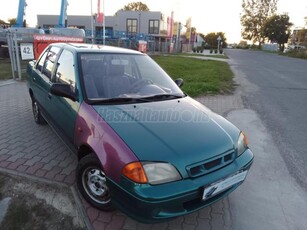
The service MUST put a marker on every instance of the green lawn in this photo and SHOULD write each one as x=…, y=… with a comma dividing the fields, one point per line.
x=6, y=69
x=222, y=56
x=200, y=76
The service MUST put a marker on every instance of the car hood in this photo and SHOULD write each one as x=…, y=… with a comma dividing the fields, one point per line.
x=181, y=132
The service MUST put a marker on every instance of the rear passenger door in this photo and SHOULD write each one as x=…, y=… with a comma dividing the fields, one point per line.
x=42, y=76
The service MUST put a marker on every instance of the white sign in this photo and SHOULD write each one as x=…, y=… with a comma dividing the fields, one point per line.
x=26, y=50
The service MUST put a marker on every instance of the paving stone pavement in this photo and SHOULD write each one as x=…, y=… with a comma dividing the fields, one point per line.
x=36, y=151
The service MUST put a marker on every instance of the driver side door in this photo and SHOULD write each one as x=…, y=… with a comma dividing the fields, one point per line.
x=65, y=110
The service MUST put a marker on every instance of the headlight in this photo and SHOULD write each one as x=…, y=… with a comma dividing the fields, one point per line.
x=159, y=173
x=242, y=143
x=151, y=172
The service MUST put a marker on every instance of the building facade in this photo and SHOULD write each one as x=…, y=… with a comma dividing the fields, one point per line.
x=141, y=25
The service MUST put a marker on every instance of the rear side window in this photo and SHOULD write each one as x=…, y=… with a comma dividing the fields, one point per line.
x=66, y=70
x=50, y=61
x=42, y=61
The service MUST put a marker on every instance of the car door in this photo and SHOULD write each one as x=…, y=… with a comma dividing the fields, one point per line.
x=42, y=76
x=64, y=110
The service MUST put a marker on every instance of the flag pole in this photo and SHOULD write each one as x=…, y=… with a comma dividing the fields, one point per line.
x=104, y=24
x=92, y=22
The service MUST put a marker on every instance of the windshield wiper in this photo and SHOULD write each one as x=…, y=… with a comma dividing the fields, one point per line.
x=160, y=97
x=117, y=100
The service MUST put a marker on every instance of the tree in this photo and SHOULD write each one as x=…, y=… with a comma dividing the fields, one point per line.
x=277, y=29
x=2, y=22
x=12, y=21
x=301, y=37
x=190, y=32
x=211, y=39
x=243, y=44
x=136, y=6
x=255, y=14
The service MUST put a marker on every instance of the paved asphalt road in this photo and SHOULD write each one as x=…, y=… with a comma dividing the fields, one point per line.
x=278, y=92
x=274, y=119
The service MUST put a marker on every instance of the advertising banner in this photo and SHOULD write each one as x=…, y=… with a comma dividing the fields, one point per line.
x=41, y=41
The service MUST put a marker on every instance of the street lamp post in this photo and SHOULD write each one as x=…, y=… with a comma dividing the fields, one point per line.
x=218, y=43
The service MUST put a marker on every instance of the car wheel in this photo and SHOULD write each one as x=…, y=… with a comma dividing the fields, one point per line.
x=92, y=183
x=38, y=118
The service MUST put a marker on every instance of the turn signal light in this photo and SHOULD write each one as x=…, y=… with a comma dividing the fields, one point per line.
x=135, y=172
x=245, y=139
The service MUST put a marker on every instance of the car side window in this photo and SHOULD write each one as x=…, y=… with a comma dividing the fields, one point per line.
x=65, y=72
x=41, y=61
x=49, y=62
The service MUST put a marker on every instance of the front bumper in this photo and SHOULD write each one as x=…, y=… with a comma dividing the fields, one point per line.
x=151, y=204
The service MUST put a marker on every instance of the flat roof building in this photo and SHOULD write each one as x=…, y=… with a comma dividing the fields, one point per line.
x=138, y=24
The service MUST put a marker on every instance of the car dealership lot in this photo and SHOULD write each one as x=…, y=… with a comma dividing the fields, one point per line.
x=268, y=199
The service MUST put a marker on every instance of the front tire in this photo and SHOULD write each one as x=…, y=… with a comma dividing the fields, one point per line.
x=92, y=183
x=38, y=118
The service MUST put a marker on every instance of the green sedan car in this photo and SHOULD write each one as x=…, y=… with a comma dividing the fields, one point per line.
x=143, y=145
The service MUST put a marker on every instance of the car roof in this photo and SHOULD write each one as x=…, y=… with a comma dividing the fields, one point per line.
x=94, y=48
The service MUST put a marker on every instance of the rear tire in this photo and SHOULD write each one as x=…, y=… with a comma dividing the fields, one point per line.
x=92, y=183
x=38, y=118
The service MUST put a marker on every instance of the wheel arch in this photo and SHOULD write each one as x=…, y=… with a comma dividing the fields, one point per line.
x=31, y=93
x=85, y=150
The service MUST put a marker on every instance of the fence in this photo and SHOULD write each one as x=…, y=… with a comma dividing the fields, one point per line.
x=152, y=45
x=13, y=48
x=22, y=47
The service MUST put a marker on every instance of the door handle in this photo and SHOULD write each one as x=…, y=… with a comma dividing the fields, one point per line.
x=49, y=95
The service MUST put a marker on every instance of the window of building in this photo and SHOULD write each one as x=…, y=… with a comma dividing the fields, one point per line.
x=132, y=25
x=153, y=27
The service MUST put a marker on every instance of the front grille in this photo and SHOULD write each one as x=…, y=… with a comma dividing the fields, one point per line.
x=210, y=165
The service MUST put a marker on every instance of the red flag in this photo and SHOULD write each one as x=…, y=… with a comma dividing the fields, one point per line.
x=99, y=14
x=100, y=17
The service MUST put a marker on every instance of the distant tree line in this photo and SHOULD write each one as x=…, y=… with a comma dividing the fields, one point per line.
x=260, y=23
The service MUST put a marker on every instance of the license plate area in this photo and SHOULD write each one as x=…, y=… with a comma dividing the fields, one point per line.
x=223, y=185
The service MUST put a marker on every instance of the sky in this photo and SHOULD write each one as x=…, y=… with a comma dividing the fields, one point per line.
x=207, y=16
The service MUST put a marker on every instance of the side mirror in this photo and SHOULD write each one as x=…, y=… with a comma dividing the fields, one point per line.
x=179, y=82
x=63, y=90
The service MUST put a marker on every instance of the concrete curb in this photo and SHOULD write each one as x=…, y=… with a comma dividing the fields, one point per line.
x=7, y=82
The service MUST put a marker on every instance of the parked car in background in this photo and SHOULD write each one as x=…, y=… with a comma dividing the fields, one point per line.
x=293, y=47
x=143, y=145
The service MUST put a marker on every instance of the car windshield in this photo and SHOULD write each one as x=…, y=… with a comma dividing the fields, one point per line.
x=124, y=78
